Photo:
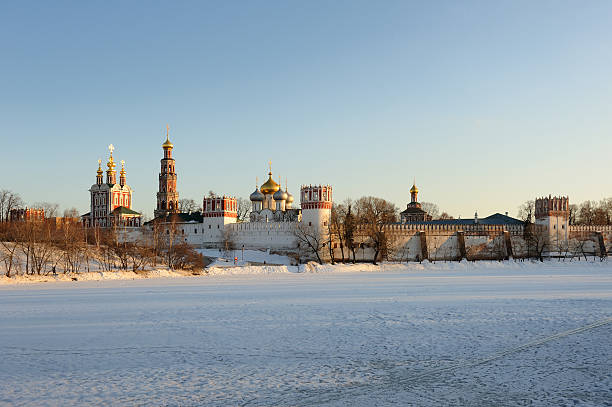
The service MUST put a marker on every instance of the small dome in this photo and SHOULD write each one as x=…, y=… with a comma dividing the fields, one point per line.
x=270, y=186
x=280, y=195
x=289, y=198
x=167, y=144
x=256, y=196
x=414, y=189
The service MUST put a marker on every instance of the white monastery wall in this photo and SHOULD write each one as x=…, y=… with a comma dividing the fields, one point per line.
x=263, y=235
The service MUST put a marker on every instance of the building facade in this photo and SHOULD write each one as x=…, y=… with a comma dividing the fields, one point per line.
x=111, y=201
x=26, y=215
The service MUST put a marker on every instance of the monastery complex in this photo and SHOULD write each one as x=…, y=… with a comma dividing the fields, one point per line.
x=278, y=225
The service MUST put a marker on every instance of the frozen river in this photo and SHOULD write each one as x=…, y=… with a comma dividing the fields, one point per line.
x=530, y=336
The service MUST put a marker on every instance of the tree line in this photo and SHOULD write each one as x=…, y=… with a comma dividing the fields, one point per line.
x=44, y=247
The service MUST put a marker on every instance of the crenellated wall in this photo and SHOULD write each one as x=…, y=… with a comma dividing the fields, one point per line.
x=414, y=242
x=598, y=239
x=257, y=235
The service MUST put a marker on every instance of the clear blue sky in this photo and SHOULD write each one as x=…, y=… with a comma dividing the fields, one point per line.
x=487, y=104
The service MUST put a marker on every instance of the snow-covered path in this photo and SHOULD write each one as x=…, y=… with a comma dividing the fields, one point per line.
x=422, y=338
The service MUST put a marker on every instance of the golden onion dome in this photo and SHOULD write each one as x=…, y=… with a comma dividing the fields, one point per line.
x=99, y=172
x=414, y=189
x=270, y=186
x=111, y=164
x=167, y=144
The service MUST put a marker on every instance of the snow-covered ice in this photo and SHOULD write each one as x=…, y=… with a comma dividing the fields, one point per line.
x=443, y=334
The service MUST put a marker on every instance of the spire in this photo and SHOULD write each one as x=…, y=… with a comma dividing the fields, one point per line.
x=110, y=172
x=122, y=174
x=167, y=144
x=99, y=173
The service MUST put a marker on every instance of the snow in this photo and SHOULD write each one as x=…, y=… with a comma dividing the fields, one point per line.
x=483, y=333
x=249, y=257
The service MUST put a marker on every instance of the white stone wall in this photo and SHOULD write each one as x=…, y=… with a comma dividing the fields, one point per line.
x=481, y=241
x=263, y=235
x=214, y=230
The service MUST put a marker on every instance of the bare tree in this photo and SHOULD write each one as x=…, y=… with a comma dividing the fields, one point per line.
x=526, y=211
x=229, y=243
x=374, y=214
x=580, y=247
x=139, y=254
x=185, y=257
x=4, y=196
x=349, y=227
x=310, y=239
x=170, y=240
x=9, y=245
x=605, y=206
x=36, y=244
x=586, y=213
x=71, y=213
x=431, y=208
x=188, y=205
x=243, y=209
x=573, y=214
x=337, y=228
x=50, y=208
x=536, y=238
x=445, y=216
x=9, y=201
x=72, y=246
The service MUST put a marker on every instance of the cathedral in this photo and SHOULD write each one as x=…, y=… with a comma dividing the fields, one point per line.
x=111, y=202
x=271, y=203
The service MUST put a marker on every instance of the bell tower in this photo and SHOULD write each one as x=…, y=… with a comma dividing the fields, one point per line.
x=167, y=197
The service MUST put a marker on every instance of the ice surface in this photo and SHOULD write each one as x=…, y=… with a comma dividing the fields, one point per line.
x=390, y=337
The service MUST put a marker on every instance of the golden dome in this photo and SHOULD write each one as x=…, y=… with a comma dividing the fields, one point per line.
x=270, y=186
x=414, y=189
x=99, y=172
x=167, y=144
x=111, y=163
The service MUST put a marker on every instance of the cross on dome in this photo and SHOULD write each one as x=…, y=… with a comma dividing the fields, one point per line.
x=111, y=148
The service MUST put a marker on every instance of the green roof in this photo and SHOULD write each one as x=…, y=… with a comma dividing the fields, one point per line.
x=122, y=210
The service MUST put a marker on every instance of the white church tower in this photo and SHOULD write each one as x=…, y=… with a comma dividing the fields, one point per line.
x=316, y=202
